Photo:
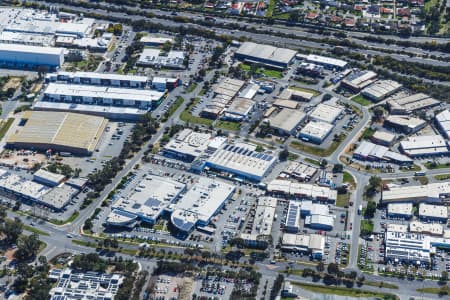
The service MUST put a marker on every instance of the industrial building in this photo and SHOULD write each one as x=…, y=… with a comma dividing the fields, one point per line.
x=154, y=58
x=313, y=244
x=103, y=96
x=286, y=121
x=429, y=193
x=359, y=80
x=58, y=131
x=310, y=69
x=373, y=152
x=315, y=132
x=383, y=138
x=425, y=145
x=381, y=89
x=204, y=200
x=30, y=192
x=442, y=122
x=91, y=285
x=292, y=222
x=224, y=92
x=187, y=145
x=31, y=57
x=302, y=190
x=165, y=83
x=261, y=232
x=111, y=112
x=426, y=228
x=327, y=62
x=146, y=202
x=432, y=212
x=400, y=210
x=103, y=79
x=320, y=222
x=296, y=94
x=405, y=124
x=265, y=55
x=250, y=91
x=284, y=103
x=325, y=113
x=152, y=41
x=407, y=248
x=239, y=109
x=48, y=178
x=405, y=103
x=242, y=161
x=300, y=171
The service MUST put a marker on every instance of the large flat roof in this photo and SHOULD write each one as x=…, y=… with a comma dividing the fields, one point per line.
x=95, y=75
x=240, y=106
x=381, y=88
x=433, y=211
x=31, y=49
x=443, y=119
x=424, y=142
x=242, y=159
x=189, y=142
x=302, y=189
x=326, y=113
x=431, y=191
x=287, y=119
x=201, y=202
x=59, y=129
x=91, y=91
x=411, y=102
x=89, y=108
x=266, y=52
x=317, y=129
x=407, y=121
x=326, y=60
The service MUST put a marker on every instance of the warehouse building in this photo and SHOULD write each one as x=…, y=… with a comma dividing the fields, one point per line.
x=320, y=222
x=165, y=83
x=203, y=201
x=250, y=91
x=111, y=112
x=425, y=145
x=296, y=94
x=239, y=109
x=373, y=152
x=266, y=55
x=103, y=96
x=426, y=228
x=359, y=80
x=292, y=222
x=400, y=210
x=242, y=161
x=431, y=212
x=407, y=248
x=152, y=41
x=442, y=121
x=300, y=171
x=30, y=192
x=383, y=138
x=103, y=79
x=187, y=145
x=312, y=244
x=284, y=103
x=48, y=178
x=154, y=58
x=58, y=131
x=146, y=202
x=405, y=124
x=302, y=190
x=315, y=132
x=286, y=121
x=429, y=193
x=325, y=113
x=404, y=103
x=327, y=62
x=261, y=232
x=31, y=57
x=381, y=89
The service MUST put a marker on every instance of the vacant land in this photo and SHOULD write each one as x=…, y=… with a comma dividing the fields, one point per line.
x=342, y=291
x=360, y=99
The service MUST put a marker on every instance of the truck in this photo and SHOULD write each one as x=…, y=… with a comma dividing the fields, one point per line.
x=359, y=209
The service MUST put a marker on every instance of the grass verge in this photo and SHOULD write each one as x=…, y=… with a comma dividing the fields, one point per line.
x=312, y=161
x=348, y=178
x=186, y=116
x=342, y=291
x=432, y=165
x=68, y=220
x=191, y=87
x=381, y=284
x=5, y=127
x=360, y=99
x=227, y=125
x=343, y=200
x=173, y=108
x=442, y=177
x=315, y=150
x=296, y=88
x=35, y=230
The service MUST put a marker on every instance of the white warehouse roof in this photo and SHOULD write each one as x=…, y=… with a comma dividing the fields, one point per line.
x=326, y=60
x=326, y=113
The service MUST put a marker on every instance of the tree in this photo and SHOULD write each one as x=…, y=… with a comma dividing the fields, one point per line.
x=283, y=155
x=27, y=247
x=323, y=163
x=320, y=267
x=378, y=114
x=333, y=268
x=374, y=186
x=338, y=168
x=167, y=46
x=444, y=276
x=12, y=230
x=371, y=208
